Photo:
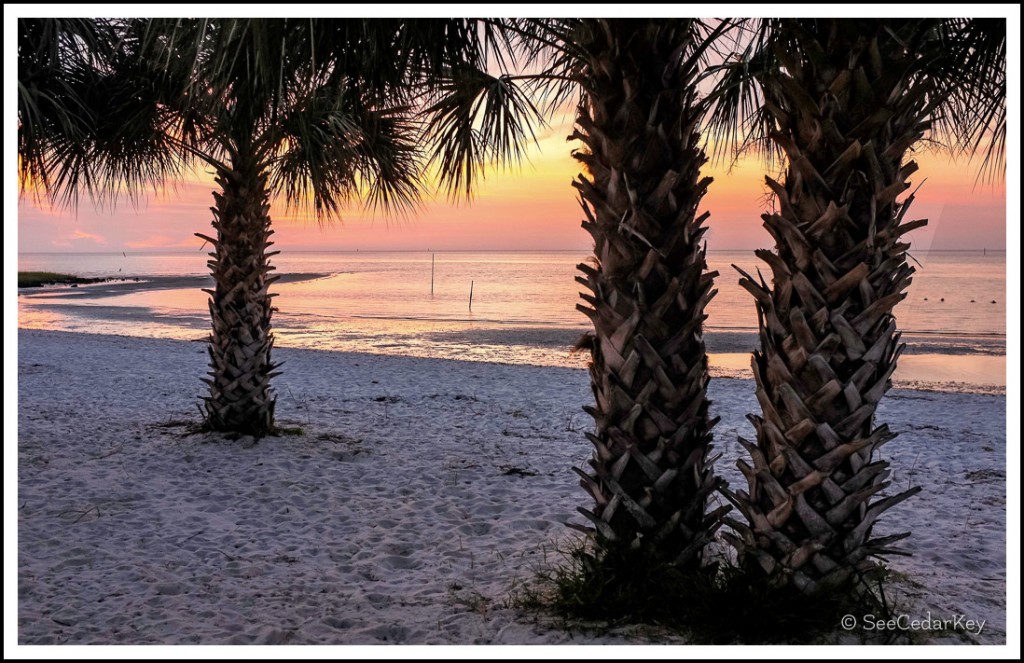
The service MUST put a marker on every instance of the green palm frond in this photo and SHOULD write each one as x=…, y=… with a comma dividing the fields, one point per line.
x=314, y=162
x=55, y=60
x=969, y=74
x=553, y=48
x=391, y=165
x=285, y=90
x=332, y=150
x=738, y=120
x=960, y=67
x=110, y=112
x=476, y=119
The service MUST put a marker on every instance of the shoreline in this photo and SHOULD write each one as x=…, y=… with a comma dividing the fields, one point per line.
x=419, y=492
x=922, y=370
x=720, y=339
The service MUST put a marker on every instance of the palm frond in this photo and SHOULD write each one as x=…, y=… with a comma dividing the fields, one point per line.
x=478, y=119
x=737, y=119
x=959, y=69
x=332, y=150
x=390, y=164
x=969, y=77
x=553, y=50
x=105, y=132
x=177, y=90
x=55, y=57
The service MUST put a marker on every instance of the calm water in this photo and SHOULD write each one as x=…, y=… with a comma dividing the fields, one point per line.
x=523, y=308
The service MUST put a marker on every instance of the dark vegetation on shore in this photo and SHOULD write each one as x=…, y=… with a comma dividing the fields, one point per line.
x=39, y=279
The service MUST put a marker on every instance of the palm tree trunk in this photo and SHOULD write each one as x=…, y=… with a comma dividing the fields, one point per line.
x=240, y=399
x=845, y=115
x=649, y=285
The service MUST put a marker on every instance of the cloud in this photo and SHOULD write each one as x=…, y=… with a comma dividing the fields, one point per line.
x=162, y=242
x=81, y=234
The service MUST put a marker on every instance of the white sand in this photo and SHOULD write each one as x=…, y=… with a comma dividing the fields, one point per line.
x=418, y=494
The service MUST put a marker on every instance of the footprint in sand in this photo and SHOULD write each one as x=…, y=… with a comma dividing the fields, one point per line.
x=398, y=562
x=390, y=633
x=474, y=529
x=534, y=524
x=338, y=623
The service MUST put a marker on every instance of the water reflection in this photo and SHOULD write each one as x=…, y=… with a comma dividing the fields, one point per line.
x=523, y=309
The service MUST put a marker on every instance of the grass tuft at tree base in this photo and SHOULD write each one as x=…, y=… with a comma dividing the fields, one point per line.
x=719, y=604
x=274, y=431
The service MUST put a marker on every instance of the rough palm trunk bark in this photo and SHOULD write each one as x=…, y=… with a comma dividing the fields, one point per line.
x=240, y=399
x=651, y=475
x=846, y=112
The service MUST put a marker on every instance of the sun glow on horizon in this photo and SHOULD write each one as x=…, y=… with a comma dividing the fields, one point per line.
x=529, y=206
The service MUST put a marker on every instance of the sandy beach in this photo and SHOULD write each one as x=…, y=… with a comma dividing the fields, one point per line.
x=418, y=494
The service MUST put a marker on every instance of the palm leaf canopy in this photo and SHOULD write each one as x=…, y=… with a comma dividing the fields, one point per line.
x=58, y=62
x=960, y=67
x=335, y=110
x=562, y=67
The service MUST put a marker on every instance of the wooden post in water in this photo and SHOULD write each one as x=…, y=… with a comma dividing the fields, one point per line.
x=470, y=295
x=431, y=274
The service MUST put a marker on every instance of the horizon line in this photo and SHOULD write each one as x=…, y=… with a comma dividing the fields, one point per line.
x=428, y=250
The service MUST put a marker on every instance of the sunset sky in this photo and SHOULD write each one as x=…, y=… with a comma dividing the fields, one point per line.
x=532, y=208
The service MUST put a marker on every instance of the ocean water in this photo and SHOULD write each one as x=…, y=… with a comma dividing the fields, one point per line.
x=523, y=307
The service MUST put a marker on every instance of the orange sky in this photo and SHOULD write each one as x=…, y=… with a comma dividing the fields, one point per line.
x=534, y=208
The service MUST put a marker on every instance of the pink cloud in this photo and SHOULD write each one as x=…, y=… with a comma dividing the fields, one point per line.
x=162, y=242
x=81, y=234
